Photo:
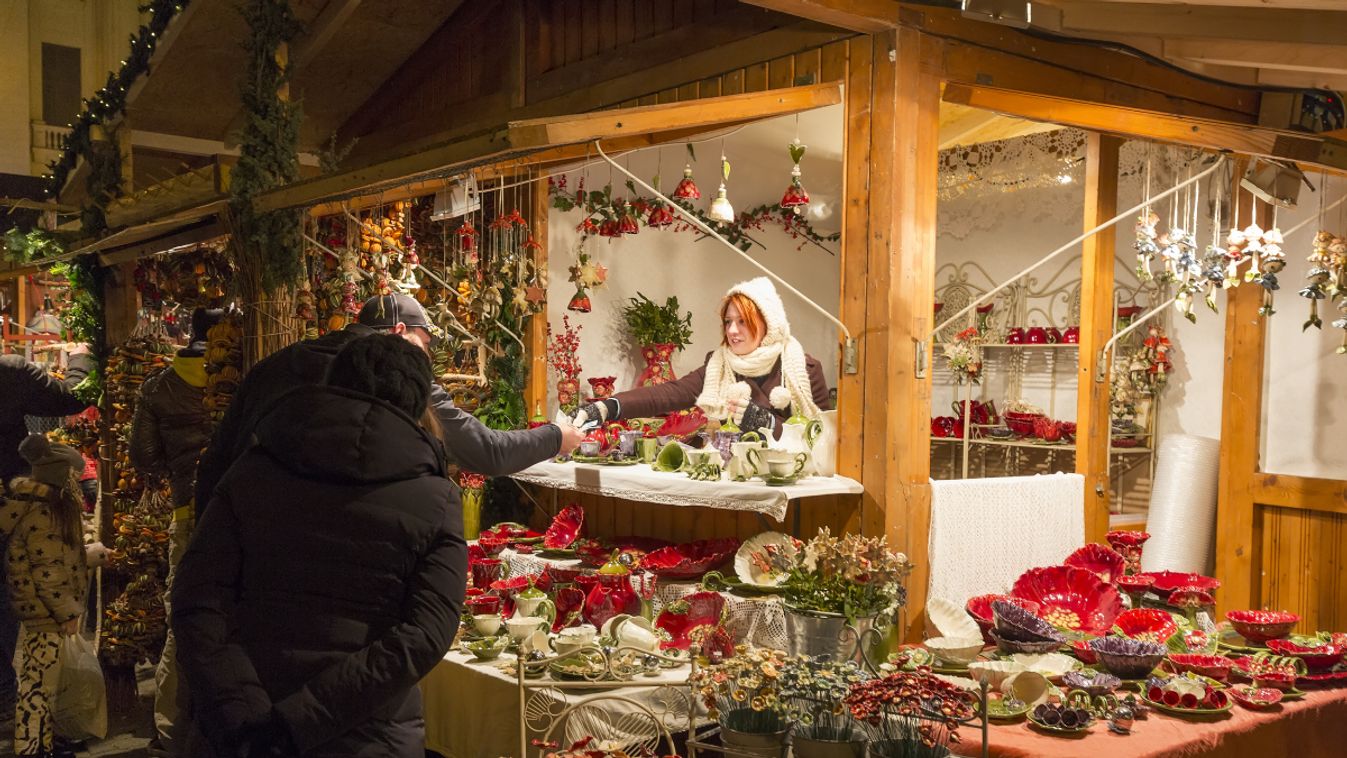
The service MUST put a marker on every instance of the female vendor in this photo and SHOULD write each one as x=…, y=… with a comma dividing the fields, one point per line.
x=754, y=378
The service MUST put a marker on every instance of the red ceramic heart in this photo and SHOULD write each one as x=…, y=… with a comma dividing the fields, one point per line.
x=1071, y=598
x=565, y=528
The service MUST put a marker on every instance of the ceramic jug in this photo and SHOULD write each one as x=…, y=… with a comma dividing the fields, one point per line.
x=740, y=467
x=824, y=453
x=534, y=602
x=798, y=435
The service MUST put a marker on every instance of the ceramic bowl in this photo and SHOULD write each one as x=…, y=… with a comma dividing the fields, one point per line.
x=1093, y=683
x=1010, y=647
x=995, y=672
x=1019, y=625
x=1081, y=649
x=1071, y=598
x=956, y=650
x=980, y=609
x=1021, y=423
x=564, y=528
x=1317, y=659
x=1256, y=698
x=1214, y=666
x=564, y=574
x=1261, y=626
x=689, y=560
x=1165, y=582
x=1051, y=665
x=1149, y=624
x=1134, y=582
x=949, y=619
x=1103, y=561
x=487, y=648
x=1128, y=658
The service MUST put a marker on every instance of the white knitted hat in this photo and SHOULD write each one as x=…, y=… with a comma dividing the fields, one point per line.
x=763, y=293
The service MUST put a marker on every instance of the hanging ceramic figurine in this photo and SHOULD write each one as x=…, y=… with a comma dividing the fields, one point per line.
x=1318, y=277
x=1145, y=244
x=795, y=198
x=687, y=189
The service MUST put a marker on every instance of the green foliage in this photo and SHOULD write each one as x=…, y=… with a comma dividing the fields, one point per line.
x=268, y=158
x=84, y=316
x=650, y=323
x=102, y=185
x=25, y=247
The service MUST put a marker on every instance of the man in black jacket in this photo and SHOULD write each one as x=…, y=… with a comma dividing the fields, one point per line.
x=470, y=444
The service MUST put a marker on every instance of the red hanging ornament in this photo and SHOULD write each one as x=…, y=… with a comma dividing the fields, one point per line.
x=580, y=301
x=467, y=236
x=795, y=198
x=660, y=216
x=610, y=228
x=628, y=224
x=687, y=189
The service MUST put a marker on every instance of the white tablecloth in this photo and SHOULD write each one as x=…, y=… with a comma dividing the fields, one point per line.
x=472, y=707
x=640, y=482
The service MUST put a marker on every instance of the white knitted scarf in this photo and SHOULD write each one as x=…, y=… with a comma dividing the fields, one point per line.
x=722, y=385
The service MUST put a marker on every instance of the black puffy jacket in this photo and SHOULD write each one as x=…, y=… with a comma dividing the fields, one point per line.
x=28, y=390
x=324, y=580
x=467, y=442
x=171, y=426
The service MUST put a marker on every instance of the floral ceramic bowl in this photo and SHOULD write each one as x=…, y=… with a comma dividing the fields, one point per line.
x=995, y=672
x=1165, y=582
x=1101, y=560
x=1071, y=598
x=1128, y=658
x=980, y=608
x=1317, y=658
x=956, y=650
x=488, y=648
x=1093, y=683
x=1010, y=647
x=1261, y=626
x=1150, y=624
x=1214, y=666
x=1256, y=698
x=1019, y=625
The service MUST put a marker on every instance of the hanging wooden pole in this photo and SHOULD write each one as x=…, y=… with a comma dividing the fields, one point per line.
x=535, y=393
x=1096, y=326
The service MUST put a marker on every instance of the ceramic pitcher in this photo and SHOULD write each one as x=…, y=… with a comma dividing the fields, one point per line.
x=740, y=467
x=798, y=435
x=824, y=454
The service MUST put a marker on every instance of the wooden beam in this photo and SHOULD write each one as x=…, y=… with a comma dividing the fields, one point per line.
x=535, y=392
x=1301, y=492
x=1326, y=5
x=1314, y=150
x=1239, y=536
x=1238, y=26
x=333, y=16
x=1097, y=264
x=869, y=16
x=1288, y=56
x=910, y=305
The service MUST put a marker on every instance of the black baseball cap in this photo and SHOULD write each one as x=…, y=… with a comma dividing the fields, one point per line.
x=387, y=311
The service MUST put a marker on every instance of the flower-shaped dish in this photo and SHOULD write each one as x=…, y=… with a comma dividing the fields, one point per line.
x=1017, y=624
x=1004, y=709
x=1121, y=538
x=1214, y=666
x=1010, y=647
x=949, y=619
x=689, y=560
x=1255, y=698
x=1150, y=624
x=1128, y=658
x=1261, y=626
x=1103, y=561
x=1317, y=659
x=980, y=608
x=683, y=424
x=487, y=648
x=995, y=672
x=1051, y=665
x=565, y=574
x=764, y=560
x=595, y=553
x=1134, y=582
x=1071, y=598
x=492, y=544
x=1081, y=649
x=1091, y=682
x=565, y=528
x=681, y=617
x=1166, y=582
x=959, y=651
x=1333, y=678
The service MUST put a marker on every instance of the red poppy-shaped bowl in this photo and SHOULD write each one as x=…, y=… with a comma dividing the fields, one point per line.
x=1165, y=582
x=980, y=608
x=691, y=559
x=1261, y=626
x=520, y=583
x=1134, y=582
x=1214, y=666
x=1150, y=624
x=492, y=544
x=681, y=617
x=1120, y=538
x=1019, y=625
x=1317, y=659
x=595, y=553
x=565, y=528
x=1071, y=598
x=1021, y=423
x=683, y=424
x=510, y=530
x=1127, y=658
x=1103, y=561
x=1256, y=698
x=476, y=553
x=570, y=602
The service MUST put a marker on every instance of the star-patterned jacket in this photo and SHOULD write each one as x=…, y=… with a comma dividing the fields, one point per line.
x=47, y=577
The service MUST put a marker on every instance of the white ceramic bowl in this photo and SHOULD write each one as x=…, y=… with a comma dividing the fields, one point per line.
x=950, y=618
x=1051, y=665
x=996, y=672
x=957, y=650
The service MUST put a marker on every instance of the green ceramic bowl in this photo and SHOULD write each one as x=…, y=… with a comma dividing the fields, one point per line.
x=487, y=648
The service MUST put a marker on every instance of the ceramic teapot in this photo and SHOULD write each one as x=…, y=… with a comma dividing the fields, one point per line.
x=798, y=435
x=534, y=602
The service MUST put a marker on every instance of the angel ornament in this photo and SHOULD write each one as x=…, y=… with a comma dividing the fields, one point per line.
x=1146, y=243
x=1315, y=291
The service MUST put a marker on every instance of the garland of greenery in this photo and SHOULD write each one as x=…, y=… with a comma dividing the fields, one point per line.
x=102, y=185
x=109, y=102
x=83, y=317
x=603, y=211
x=268, y=148
x=22, y=248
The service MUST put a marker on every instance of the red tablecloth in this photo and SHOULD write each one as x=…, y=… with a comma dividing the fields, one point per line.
x=1309, y=728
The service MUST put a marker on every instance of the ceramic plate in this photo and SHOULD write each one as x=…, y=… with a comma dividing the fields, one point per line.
x=997, y=710
x=753, y=563
x=558, y=553
x=1193, y=711
x=591, y=459
x=1231, y=640
x=780, y=481
x=1325, y=679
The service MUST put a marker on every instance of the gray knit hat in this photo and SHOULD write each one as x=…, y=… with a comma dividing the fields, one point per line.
x=52, y=463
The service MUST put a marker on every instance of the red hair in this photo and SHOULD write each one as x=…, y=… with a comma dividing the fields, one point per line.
x=748, y=311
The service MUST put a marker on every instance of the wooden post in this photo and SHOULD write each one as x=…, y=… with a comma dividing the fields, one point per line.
x=904, y=154
x=535, y=392
x=1096, y=327
x=1239, y=536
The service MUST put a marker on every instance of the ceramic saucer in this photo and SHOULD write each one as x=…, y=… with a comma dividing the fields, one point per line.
x=779, y=481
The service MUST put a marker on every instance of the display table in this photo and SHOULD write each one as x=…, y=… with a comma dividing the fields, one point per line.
x=640, y=482
x=1309, y=728
x=472, y=707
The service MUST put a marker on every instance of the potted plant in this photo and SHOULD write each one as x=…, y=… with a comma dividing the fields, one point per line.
x=660, y=331
x=815, y=690
x=742, y=694
x=840, y=589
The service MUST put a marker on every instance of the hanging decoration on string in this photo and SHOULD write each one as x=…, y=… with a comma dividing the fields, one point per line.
x=687, y=188
x=721, y=210
x=586, y=274
x=795, y=198
x=1327, y=275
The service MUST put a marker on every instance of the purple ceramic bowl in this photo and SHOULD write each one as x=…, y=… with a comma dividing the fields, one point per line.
x=1093, y=683
x=1019, y=625
x=1128, y=658
x=1010, y=647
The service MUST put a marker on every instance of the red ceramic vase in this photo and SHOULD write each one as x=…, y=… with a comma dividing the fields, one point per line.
x=658, y=364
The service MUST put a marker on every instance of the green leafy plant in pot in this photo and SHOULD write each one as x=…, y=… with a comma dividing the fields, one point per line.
x=743, y=694
x=661, y=331
x=838, y=590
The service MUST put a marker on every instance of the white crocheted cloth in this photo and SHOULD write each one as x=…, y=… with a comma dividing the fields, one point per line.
x=986, y=532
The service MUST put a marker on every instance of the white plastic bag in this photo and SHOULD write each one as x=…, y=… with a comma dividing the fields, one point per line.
x=81, y=709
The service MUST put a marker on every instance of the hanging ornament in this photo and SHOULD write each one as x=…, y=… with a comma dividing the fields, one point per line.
x=1146, y=243
x=661, y=215
x=467, y=237
x=627, y=218
x=721, y=210
x=580, y=301
x=796, y=198
x=687, y=189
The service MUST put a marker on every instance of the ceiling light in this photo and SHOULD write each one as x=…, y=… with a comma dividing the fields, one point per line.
x=1016, y=13
x=1274, y=183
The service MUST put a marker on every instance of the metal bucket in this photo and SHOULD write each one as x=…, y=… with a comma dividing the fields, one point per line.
x=817, y=633
x=766, y=744
x=809, y=747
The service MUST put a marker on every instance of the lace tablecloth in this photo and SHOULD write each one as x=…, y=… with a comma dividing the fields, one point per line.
x=760, y=621
x=642, y=483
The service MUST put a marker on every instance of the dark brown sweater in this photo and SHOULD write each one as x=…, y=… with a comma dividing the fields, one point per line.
x=682, y=393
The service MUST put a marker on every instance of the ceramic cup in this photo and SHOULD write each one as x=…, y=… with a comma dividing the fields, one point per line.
x=632, y=631
x=1072, y=335
x=626, y=443
x=1027, y=686
x=646, y=449
x=695, y=458
x=572, y=639
x=781, y=464
x=1036, y=335
x=486, y=624
x=1015, y=336
x=741, y=468
x=590, y=448
x=540, y=606
x=483, y=604
x=522, y=626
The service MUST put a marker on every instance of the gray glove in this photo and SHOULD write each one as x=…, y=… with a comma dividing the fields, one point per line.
x=757, y=417
x=601, y=411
